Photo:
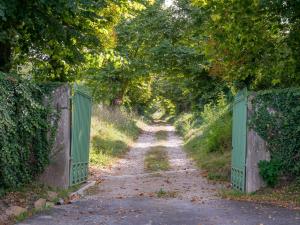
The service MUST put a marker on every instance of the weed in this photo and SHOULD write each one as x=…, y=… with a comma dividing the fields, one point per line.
x=156, y=174
x=156, y=159
x=30, y=213
x=166, y=194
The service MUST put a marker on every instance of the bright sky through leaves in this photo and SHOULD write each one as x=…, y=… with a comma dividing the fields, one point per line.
x=168, y=3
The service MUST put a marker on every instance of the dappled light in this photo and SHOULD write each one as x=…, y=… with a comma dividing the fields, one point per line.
x=164, y=107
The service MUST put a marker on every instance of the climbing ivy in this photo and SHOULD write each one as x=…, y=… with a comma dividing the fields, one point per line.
x=276, y=119
x=27, y=129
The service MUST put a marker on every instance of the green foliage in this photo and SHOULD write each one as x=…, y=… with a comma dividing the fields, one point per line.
x=190, y=53
x=133, y=52
x=216, y=125
x=270, y=171
x=27, y=129
x=276, y=118
x=208, y=138
x=58, y=39
x=162, y=63
x=184, y=123
x=239, y=52
x=113, y=132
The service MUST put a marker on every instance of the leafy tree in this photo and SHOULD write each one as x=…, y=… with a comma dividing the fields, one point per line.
x=159, y=46
x=247, y=43
x=57, y=36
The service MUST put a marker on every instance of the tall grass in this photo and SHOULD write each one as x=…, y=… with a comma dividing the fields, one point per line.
x=113, y=131
x=208, y=138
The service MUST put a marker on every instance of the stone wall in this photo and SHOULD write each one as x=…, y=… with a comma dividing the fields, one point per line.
x=256, y=151
x=57, y=173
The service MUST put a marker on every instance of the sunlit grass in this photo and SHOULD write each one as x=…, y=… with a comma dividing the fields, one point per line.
x=210, y=147
x=208, y=139
x=112, y=134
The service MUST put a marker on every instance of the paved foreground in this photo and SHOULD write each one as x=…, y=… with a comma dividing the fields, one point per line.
x=145, y=211
x=128, y=195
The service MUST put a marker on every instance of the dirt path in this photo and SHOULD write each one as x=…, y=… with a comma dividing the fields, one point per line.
x=128, y=178
x=127, y=195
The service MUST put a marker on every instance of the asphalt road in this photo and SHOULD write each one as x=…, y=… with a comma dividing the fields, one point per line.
x=151, y=211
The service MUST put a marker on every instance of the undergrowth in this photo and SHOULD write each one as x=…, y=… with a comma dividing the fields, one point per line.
x=207, y=138
x=113, y=132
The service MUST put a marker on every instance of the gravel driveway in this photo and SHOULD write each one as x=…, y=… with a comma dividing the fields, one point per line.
x=126, y=194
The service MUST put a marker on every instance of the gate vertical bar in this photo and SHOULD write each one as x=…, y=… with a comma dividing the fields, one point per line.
x=239, y=141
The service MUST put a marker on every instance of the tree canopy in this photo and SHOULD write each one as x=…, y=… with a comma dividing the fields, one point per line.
x=135, y=52
x=57, y=38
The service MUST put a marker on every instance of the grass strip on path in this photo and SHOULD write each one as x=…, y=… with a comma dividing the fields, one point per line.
x=161, y=135
x=166, y=194
x=156, y=159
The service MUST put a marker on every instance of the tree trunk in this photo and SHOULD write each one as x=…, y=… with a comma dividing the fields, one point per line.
x=5, y=57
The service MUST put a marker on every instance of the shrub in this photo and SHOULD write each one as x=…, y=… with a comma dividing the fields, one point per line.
x=270, y=171
x=217, y=136
x=208, y=138
x=25, y=126
x=184, y=123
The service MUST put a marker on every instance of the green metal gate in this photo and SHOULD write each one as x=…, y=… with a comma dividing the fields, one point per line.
x=81, y=123
x=239, y=141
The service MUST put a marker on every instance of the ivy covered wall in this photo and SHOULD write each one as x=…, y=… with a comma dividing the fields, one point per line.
x=276, y=119
x=27, y=129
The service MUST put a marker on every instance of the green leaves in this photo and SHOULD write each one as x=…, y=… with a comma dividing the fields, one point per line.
x=56, y=36
x=26, y=133
x=248, y=42
x=276, y=119
x=270, y=171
